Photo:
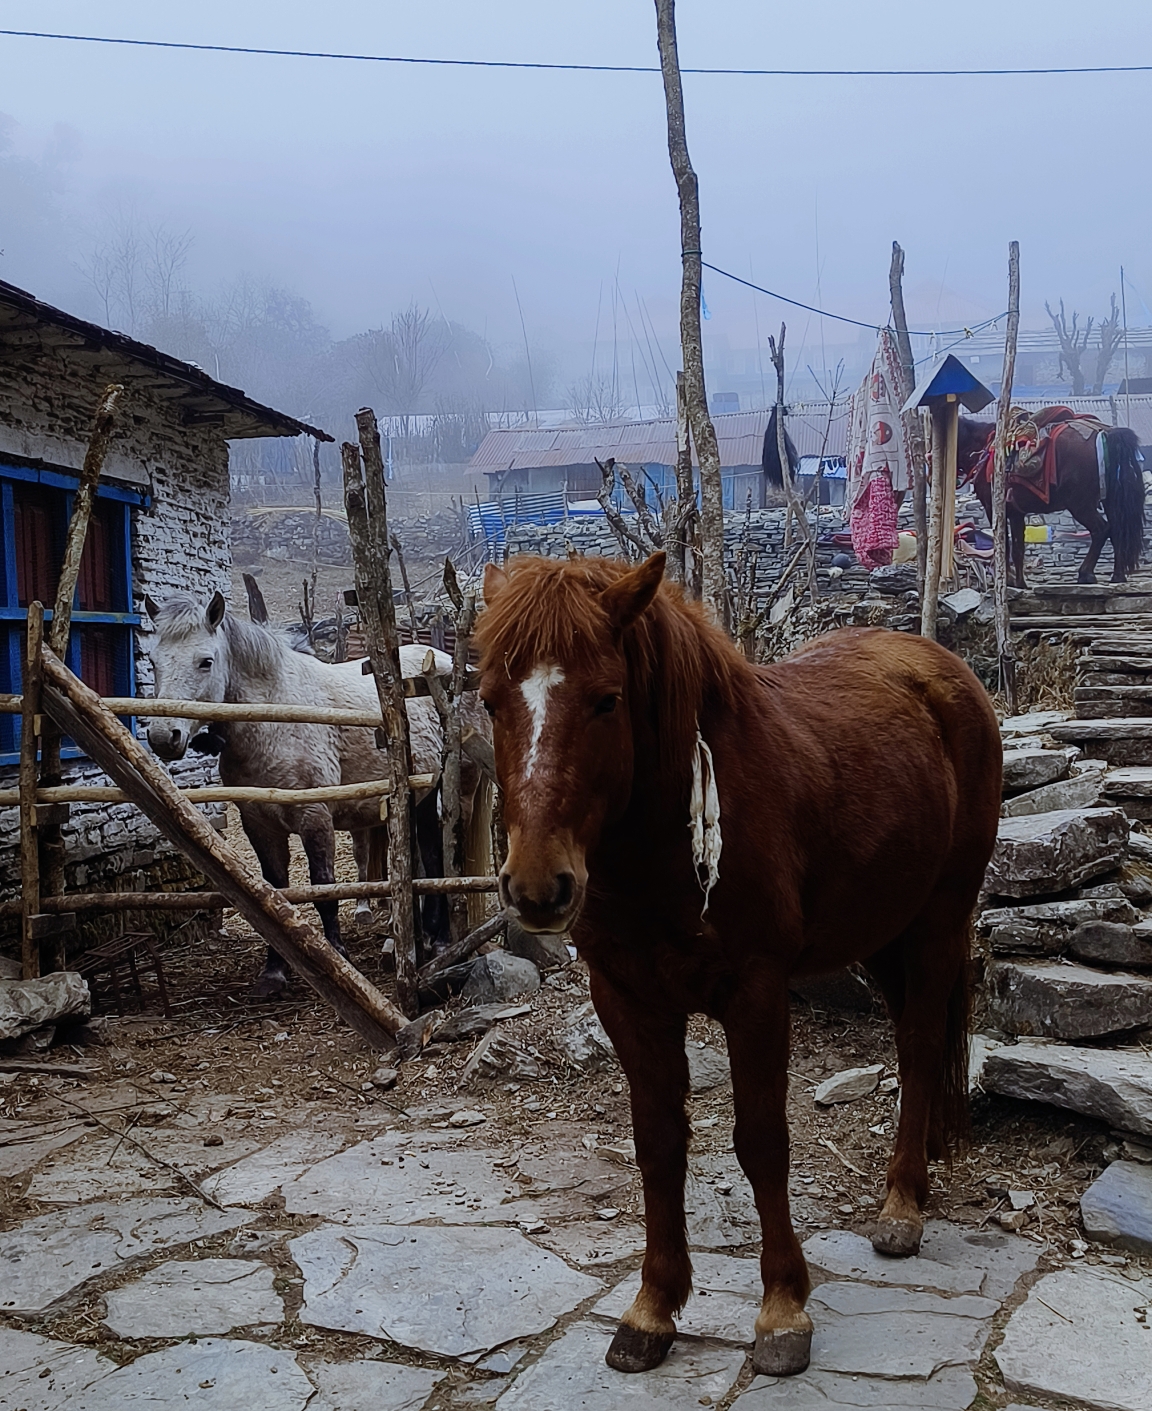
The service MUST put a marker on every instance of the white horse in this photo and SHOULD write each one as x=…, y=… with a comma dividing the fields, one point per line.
x=205, y=653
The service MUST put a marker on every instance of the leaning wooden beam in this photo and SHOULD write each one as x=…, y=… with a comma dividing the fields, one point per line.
x=78, y=711
x=26, y=797
x=214, y=901
x=224, y=793
x=463, y=948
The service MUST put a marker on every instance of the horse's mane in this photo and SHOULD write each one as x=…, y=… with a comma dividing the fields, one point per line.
x=258, y=651
x=678, y=663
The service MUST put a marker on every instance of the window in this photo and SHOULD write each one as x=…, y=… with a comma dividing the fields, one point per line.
x=35, y=506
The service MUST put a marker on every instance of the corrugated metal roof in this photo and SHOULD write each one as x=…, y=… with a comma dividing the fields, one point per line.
x=740, y=436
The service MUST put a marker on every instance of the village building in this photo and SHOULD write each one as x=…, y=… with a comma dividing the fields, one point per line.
x=160, y=524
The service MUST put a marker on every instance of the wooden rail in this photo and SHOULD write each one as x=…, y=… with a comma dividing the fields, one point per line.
x=223, y=793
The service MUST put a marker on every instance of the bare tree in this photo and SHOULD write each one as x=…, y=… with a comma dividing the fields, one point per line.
x=1110, y=336
x=1073, y=344
x=167, y=256
x=401, y=359
x=595, y=401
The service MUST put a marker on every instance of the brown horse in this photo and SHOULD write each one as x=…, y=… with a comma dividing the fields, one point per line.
x=709, y=829
x=1077, y=490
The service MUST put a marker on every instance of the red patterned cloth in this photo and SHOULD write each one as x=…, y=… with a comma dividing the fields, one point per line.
x=874, y=534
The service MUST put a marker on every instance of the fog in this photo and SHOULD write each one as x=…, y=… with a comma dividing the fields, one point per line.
x=361, y=189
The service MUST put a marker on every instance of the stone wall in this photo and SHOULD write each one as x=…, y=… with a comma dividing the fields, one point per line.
x=180, y=541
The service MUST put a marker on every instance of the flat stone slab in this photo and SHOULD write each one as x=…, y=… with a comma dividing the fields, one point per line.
x=260, y=1175
x=16, y=1157
x=212, y=1375
x=45, y=1258
x=951, y=1260
x=950, y=1389
x=1066, y=1001
x=1082, y=790
x=718, y=1221
x=894, y=1332
x=1050, y=852
x=451, y=1291
x=725, y=1299
x=200, y=1296
x=1077, y=1335
x=107, y=1167
x=1117, y=1207
x=707, y=1068
x=592, y=1242
x=1035, y=722
x=1030, y=768
x=572, y=1375
x=39, y=1374
x=1112, y=1085
x=1134, y=782
x=1047, y=927
x=372, y=1385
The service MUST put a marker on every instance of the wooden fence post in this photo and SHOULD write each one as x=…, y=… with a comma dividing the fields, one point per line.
x=1004, y=649
x=931, y=595
x=29, y=829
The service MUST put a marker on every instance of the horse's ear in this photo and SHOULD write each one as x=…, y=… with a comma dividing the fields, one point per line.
x=628, y=597
x=257, y=607
x=495, y=581
x=215, y=611
x=151, y=608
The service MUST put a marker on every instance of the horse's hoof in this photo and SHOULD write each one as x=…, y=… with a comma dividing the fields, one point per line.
x=1089, y=578
x=363, y=916
x=898, y=1238
x=782, y=1352
x=270, y=985
x=634, y=1351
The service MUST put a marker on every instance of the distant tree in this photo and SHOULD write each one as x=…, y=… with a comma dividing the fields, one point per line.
x=596, y=401
x=1110, y=336
x=1073, y=343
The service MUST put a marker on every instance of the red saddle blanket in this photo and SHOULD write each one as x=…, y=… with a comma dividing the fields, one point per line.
x=1033, y=441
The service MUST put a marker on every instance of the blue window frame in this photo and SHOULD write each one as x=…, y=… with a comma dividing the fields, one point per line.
x=35, y=506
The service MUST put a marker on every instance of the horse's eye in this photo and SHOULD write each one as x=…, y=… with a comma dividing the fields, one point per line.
x=205, y=664
x=606, y=705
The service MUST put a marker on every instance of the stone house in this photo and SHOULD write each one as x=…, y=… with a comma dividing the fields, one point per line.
x=161, y=523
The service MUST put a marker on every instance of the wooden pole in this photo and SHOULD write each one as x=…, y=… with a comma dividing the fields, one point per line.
x=79, y=712
x=691, y=343
x=948, y=530
x=930, y=598
x=225, y=793
x=1004, y=648
x=684, y=547
x=795, y=508
x=368, y=530
x=29, y=832
x=915, y=432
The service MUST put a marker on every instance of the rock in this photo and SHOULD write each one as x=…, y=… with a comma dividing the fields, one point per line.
x=1046, y=928
x=498, y=1056
x=40, y=1374
x=1077, y=1335
x=450, y=1291
x=545, y=952
x=1082, y=790
x=368, y=1382
x=1032, y=768
x=1117, y=1207
x=385, y=1078
x=1111, y=943
x=161, y=1077
x=498, y=976
x=467, y=1117
x=848, y=1085
x=104, y=1166
x=1065, y=1001
x=572, y=1374
x=45, y=1258
x=591, y=1242
x=583, y=1042
x=1034, y=723
x=1050, y=852
x=1131, y=783
x=477, y=1019
x=197, y=1296
x=896, y=578
x=723, y=1304
x=951, y=1260
x=26, y=1005
x=707, y=1069
x=963, y=602
x=1140, y=846
x=1125, y=741
x=950, y=1389
x=16, y=1157
x=260, y=1175
x=213, y=1374
x=1110, y=1085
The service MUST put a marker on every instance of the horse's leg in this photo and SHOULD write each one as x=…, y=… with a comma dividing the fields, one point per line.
x=1096, y=525
x=650, y=1047
x=361, y=851
x=932, y=1043
x=429, y=839
x=319, y=839
x=270, y=845
x=757, y=1029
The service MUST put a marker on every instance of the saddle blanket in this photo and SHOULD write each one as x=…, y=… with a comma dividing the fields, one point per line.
x=1033, y=440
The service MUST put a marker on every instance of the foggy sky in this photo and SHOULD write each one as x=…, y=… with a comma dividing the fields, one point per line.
x=363, y=186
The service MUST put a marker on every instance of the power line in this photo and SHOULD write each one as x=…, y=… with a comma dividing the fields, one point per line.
x=572, y=68
x=843, y=318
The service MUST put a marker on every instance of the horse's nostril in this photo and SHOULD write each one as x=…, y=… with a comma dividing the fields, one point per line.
x=175, y=737
x=564, y=890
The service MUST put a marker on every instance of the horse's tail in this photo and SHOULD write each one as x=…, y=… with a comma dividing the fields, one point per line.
x=1124, y=498
x=953, y=1103
x=770, y=458
x=478, y=860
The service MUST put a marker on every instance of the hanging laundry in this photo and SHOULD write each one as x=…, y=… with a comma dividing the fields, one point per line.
x=879, y=457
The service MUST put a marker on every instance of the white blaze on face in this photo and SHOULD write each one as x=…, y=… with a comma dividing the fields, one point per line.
x=534, y=689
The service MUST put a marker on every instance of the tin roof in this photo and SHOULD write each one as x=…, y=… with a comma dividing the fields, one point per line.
x=31, y=328
x=740, y=436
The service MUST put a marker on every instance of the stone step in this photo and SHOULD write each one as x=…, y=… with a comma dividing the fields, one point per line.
x=1050, y=1000
x=1088, y=666
x=1043, y=853
x=1082, y=789
x=1081, y=627
x=1133, y=781
x=1046, y=928
x=1117, y=1207
x=1125, y=741
x=1112, y=1085
x=1028, y=767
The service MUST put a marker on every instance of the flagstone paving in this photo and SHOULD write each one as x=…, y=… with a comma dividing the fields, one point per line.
x=195, y=1296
